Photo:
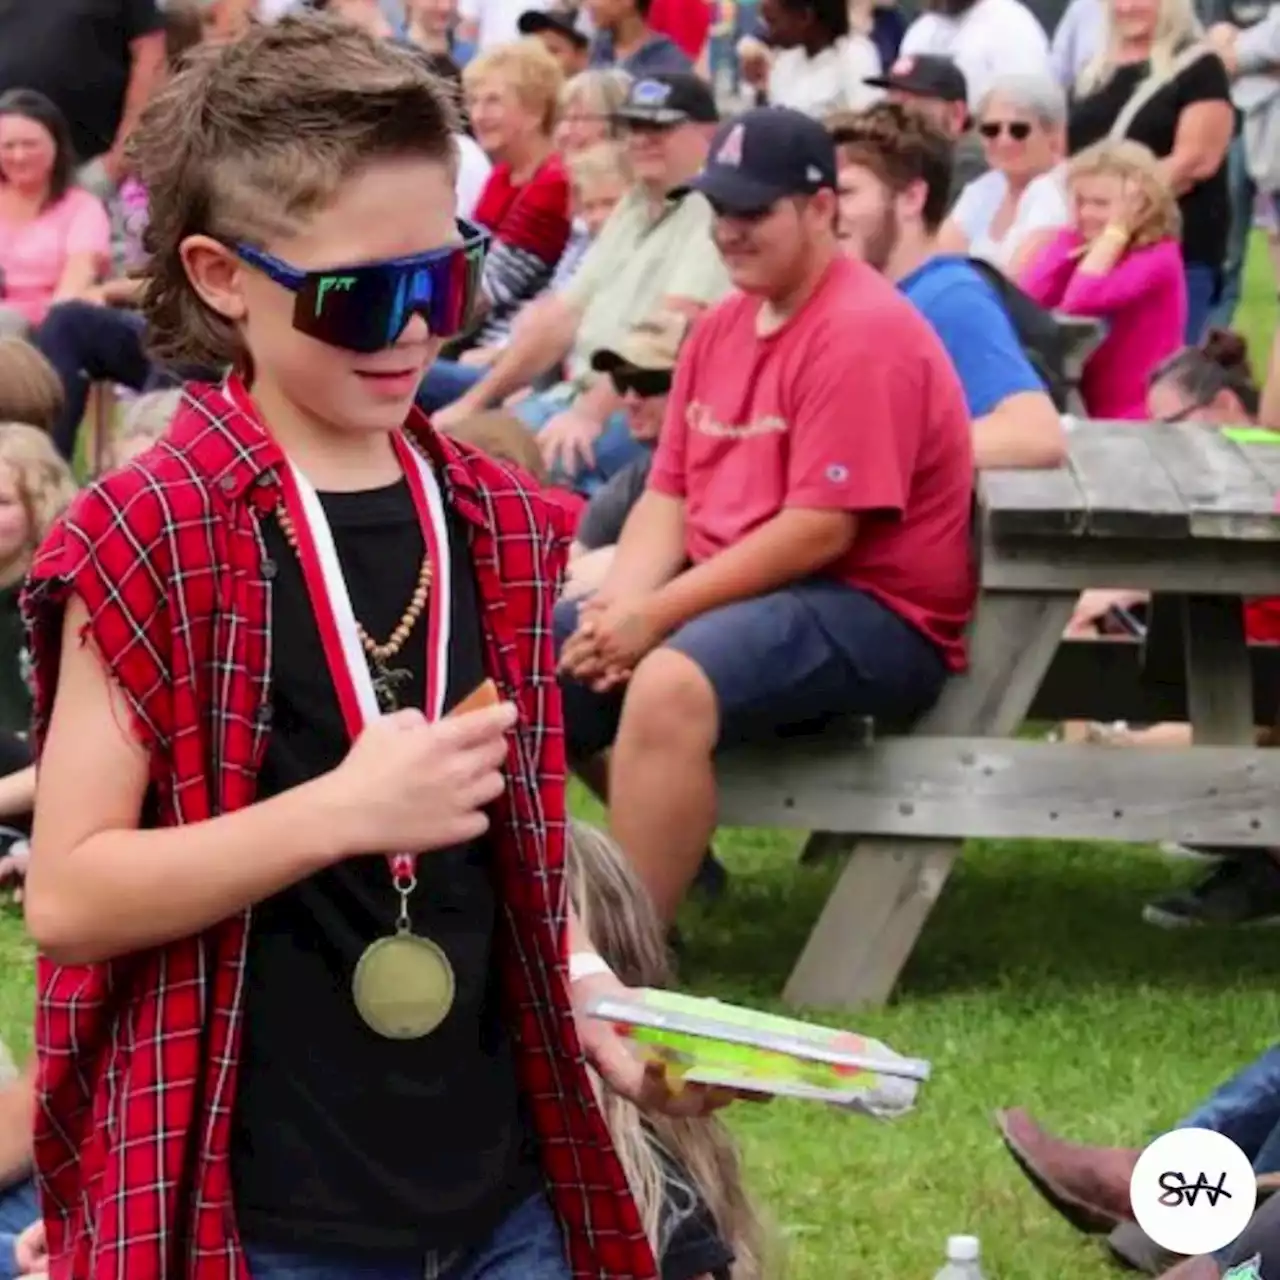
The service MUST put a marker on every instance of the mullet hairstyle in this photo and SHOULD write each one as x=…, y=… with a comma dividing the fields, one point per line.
x=900, y=146
x=253, y=137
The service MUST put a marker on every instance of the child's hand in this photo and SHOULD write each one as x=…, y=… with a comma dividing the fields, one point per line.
x=408, y=785
x=641, y=1080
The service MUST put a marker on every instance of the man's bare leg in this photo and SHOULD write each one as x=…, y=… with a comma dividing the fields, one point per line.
x=662, y=783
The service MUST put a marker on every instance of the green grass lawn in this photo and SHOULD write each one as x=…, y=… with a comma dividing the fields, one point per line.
x=1035, y=983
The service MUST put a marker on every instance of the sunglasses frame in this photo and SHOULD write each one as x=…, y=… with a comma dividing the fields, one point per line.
x=295, y=279
x=627, y=378
x=1018, y=130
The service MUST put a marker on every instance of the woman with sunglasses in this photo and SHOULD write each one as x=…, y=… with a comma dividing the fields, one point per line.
x=1005, y=215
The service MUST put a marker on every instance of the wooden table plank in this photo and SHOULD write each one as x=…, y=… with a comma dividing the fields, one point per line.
x=1265, y=460
x=1226, y=496
x=1032, y=502
x=1127, y=493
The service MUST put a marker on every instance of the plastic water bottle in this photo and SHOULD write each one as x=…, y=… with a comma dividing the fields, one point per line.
x=962, y=1259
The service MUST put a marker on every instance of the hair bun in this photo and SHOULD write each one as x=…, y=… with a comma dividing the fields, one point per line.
x=1227, y=349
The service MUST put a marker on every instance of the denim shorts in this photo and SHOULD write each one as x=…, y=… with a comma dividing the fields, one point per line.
x=782, y=662
x=525, y=1246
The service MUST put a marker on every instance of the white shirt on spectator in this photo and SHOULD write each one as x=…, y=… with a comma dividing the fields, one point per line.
x=1077, y=40
x=473, y=173
x=271, y=10
x=992, y=38
x=1041, y=207
x=497, y=20
x=832, y=80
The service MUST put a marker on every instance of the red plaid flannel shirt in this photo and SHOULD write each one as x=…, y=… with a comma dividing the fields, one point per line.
x=137, y=1058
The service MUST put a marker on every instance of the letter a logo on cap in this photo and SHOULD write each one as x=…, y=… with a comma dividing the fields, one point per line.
x=730, y=152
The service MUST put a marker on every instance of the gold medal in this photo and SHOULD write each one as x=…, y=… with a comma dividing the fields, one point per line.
x=403, y=986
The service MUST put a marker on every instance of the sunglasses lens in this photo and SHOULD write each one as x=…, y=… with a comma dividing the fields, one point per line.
x=646, y=383
x=1020, y=131
x=366, y=308
x=989, y=130
x=349, y=309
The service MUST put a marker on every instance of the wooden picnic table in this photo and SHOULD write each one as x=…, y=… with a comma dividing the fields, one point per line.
x=1176, y=509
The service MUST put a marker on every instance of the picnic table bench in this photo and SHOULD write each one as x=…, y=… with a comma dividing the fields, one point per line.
x=1176, y=509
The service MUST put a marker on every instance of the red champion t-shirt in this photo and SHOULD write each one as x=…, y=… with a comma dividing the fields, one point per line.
x=852, y=405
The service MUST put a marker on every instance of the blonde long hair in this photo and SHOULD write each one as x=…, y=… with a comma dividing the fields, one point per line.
x=44, y=485
x=618, y=917
x=1138, y=169
x=1176, y=27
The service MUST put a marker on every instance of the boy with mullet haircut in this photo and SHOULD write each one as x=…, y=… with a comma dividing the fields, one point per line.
x=261, y=1051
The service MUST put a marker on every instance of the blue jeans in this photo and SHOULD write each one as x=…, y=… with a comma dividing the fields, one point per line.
x=446, y=381
x=784, y=661
x=1246, y=1109
x=525, y=1246
x=615, y=449
x=1241, y=192
x=1203, y=286
x=19, y=1208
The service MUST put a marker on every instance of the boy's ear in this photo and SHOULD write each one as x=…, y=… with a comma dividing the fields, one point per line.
x=216, y=274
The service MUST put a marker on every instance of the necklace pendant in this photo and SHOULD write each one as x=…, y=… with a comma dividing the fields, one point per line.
x=386, y=684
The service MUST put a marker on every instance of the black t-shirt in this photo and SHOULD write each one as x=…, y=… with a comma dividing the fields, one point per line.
x=601, y=523
x=1206, y=208
x=75, y=52
x=693, y=1246
x=344, y=1140
x=15, y=687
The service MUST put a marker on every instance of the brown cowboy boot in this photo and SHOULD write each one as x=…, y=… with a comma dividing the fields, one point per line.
x=1089, y=1186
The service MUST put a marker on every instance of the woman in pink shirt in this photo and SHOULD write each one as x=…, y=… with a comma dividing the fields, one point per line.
x=55, y=238
x=1119, y=262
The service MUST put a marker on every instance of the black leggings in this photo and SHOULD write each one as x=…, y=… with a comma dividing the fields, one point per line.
x=87, y=343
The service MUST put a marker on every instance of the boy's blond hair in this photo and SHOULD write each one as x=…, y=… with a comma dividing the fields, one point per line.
x=528, y=70
x=600, y=162
x=503, y=436
x=42, y=478
x=1158, y=217
x=618, y=916
x=256, y=135
x=30, y=389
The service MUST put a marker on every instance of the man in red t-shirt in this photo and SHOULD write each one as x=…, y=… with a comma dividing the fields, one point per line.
x=802, y=550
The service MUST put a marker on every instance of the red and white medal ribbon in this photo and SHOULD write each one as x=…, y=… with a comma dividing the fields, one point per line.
x=331, y=601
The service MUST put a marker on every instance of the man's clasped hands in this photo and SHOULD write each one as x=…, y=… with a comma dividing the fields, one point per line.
x=615, y=631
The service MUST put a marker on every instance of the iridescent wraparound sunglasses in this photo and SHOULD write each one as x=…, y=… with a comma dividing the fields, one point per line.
x=365, y=307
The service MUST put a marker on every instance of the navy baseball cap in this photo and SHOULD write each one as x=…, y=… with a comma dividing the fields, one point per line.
x=763, y=156
x=567, y=22
x=667, y=99
x=925, y=75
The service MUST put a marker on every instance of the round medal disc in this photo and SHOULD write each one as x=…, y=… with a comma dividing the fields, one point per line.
x=403, y=986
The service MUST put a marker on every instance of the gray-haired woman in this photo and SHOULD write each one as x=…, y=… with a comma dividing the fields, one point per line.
x=1007, y=214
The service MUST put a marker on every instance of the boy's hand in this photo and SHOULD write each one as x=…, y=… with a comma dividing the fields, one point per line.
x=407, y=785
